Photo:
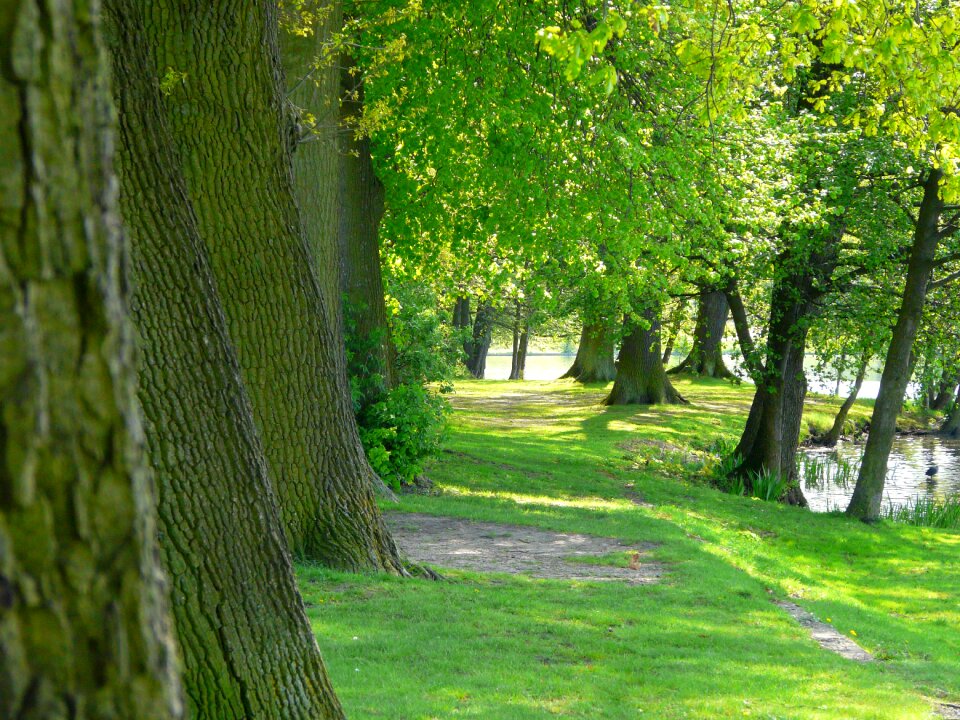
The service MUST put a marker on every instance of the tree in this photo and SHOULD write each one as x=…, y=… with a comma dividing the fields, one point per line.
x=84, y=616
x=868, y=493
x=594, y=362
x=706, y=354
x=282, y=327
x=641, y=377
x=248, y=648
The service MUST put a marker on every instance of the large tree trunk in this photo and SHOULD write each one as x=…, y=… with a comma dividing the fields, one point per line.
x=951, y=425
x=85, y=628
x=641, y=377
x=836, y=430
x=772, y=433
x=706, y=355
x=480, y=343
x=236, y=129
x=361, y=209
x=594, y=362
x=868, y=493
x=216, y=500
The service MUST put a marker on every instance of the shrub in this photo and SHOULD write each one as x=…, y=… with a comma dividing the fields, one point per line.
x=402, y=426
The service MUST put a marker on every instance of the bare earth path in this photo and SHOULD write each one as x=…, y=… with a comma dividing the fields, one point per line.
x=447, y=542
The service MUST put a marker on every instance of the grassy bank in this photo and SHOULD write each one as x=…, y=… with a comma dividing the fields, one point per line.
x=705, y=643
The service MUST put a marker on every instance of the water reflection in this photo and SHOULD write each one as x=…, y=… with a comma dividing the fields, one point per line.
x=828, y=476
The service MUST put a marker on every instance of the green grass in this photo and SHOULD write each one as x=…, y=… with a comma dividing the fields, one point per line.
x=705, y=643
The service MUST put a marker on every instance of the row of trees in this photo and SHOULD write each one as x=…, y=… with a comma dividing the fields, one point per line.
x=793, y=165
x=190, y=190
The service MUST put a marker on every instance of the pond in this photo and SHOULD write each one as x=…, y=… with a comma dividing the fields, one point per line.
x=828, y=475
x=540, y=366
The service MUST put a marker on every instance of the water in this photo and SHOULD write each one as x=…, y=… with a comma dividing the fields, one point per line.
x=828, y=476
x=548, y=366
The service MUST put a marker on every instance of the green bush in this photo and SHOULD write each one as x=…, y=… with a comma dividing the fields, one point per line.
x=400, y=427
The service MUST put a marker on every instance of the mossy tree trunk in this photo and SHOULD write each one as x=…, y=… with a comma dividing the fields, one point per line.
x=247, y=645
x=641, y=377
x=361, y=209
x=897, y=368
x=706, y=354
x=85, y=626
x=594, y=362
x=234, y=132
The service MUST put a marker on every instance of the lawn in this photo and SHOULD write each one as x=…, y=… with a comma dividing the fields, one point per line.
x=707, y=642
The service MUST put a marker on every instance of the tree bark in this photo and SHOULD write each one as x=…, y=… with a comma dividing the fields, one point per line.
x=772, y=434
x=594, y=362
x=641, y=378
x=836, y=430
x=84, y=618
x=868, y=493
x=361, y=209
x=706, y=355
x=480, y=342
x=248, y=648
x=235, y=130
x=940, y=399
x=521, y=339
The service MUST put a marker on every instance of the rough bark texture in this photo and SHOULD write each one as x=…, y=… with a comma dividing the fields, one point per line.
x=594, y=362
x=233, y=132
x=84, y=618
x=247, y=645
x=361, y=209
x=868, y=493
x=951, y=425
x=836, y=430
x=641, y=377
x=706, y=355
x=313, y=104
x=479, y=344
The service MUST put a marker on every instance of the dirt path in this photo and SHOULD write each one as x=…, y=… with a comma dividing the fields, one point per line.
x=446, y=542
x=827, y=636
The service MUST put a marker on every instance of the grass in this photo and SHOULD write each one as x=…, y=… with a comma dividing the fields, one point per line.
x=705, y=643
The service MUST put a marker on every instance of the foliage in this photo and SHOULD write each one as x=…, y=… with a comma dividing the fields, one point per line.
x=401, y=426
x=927, y=512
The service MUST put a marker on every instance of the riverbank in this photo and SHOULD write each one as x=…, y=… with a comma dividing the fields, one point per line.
x=705, y=641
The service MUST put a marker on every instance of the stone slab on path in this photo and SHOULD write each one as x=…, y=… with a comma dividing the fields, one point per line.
x=449, y=542
x=827, y=636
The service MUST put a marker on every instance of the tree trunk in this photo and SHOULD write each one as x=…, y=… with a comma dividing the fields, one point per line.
x=361, y=209
x=594, y=362
x=235, y=130
x=868, y=493
x=84, y=618
x=772, y=433
x=480, y=343
x=673, y=329
x=951, y=425
x=521, y=335
x=833, y=435
x=216, y=500
x=641, y=378
x=940, y=399
x=742, y=324
x=706, y=355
